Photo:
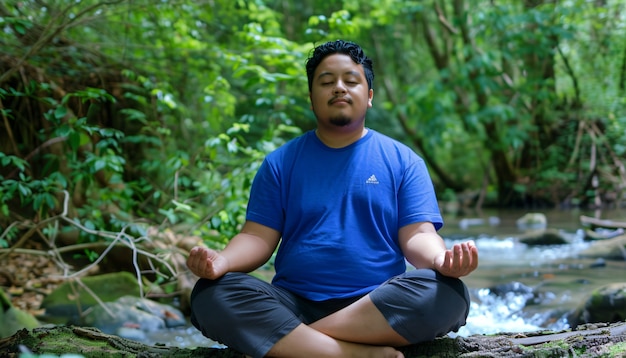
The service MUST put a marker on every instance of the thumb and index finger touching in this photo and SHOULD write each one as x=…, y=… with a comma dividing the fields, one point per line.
x=204, y=262
x=460, y=260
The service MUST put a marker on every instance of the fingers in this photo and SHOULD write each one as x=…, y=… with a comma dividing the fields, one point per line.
x=194, y=259
x=200, y=261
x=196, y=255
x=462, y=256
x=466, y=257
x=473, y=254
x=461, y=260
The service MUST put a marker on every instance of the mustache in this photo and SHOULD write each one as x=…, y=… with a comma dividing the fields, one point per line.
x=340, y=98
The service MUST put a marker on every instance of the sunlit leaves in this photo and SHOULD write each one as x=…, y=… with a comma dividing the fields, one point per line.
x=200, y=91
x=218, y=94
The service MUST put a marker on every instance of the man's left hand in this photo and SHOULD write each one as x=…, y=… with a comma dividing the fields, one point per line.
x=458, y=261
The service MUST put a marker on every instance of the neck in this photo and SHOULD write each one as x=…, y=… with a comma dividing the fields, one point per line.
x=336, y=139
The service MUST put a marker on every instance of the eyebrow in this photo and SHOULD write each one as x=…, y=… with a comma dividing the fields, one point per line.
x=350, y=73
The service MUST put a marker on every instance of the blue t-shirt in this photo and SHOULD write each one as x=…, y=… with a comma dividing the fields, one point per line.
x=339, y=212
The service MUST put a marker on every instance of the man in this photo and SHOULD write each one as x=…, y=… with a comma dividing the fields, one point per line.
x=348, y=206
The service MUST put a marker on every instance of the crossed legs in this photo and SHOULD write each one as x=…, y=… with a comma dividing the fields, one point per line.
x=358, y=330
x=258, y=319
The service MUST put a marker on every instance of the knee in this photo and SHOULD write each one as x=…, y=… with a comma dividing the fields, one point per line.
x=447, y=308
x=423, y=305
x=207, y=293
x=210, y=299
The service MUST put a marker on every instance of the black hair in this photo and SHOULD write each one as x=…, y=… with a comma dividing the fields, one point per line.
x=339, y=47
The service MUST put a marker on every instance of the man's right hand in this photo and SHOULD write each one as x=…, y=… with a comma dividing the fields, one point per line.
x=207, y=263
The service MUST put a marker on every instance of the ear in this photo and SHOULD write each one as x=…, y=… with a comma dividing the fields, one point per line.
x=371, y=97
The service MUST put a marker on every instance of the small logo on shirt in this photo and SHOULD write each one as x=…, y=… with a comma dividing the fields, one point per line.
x=372, y=180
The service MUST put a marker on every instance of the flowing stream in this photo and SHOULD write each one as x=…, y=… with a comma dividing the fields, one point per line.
x=558, y=278
x=544, y=282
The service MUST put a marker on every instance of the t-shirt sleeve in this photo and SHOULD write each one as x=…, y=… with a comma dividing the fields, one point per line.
x=264, y=206
x=417, y=201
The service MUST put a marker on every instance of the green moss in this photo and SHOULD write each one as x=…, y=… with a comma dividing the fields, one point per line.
x=13, y=319
x=70, y=298
x=560, y=348
x=108, y=287
x=618, y=350
x=91, y=343
x=65, y=341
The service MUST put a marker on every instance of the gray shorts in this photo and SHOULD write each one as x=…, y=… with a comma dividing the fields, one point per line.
x=250, y=315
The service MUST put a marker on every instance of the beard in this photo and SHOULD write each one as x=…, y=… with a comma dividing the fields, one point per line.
x=340, y=121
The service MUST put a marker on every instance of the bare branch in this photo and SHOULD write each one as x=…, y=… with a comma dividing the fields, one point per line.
x=120, y=239
x=570, y=71
x=444, y=21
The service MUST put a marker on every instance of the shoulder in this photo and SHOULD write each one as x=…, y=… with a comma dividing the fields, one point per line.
x=293, y=146
x=386, y=140
x=394, y=147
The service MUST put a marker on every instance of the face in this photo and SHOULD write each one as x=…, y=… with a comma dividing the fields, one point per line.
x=339, y=93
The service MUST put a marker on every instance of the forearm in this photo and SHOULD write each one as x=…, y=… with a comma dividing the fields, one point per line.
x=421, y=244
x=246, y=252
x=422, y=249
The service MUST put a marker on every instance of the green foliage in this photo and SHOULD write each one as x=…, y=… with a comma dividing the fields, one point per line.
x=161, y=112
x=490, y=89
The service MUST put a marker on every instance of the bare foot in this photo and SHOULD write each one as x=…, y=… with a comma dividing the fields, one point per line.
x=306, y=342
x=346, y=350
x=379, y=352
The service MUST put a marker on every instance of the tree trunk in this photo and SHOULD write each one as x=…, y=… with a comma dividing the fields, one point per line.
x=588, y=341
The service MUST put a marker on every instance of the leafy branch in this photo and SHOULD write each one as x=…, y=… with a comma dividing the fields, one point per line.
x=47, y=34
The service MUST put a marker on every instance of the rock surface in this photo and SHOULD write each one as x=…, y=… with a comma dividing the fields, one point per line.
x=70, y=298
x=13, y=319
x=605, y=304
x=543, y=237
x=132, y=316
x=609, y=249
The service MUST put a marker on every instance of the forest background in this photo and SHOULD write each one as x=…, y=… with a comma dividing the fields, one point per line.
x=122, y=116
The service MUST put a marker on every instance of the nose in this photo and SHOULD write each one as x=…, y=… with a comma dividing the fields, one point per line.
x=339, y=87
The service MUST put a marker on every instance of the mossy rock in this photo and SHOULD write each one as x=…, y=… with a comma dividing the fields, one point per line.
x=13, y=319
x=608, y=303
x=609, y=249
x=65, y=304
x=605, y=304
x=543, y=237
x=532, y=221
x=587, y=342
